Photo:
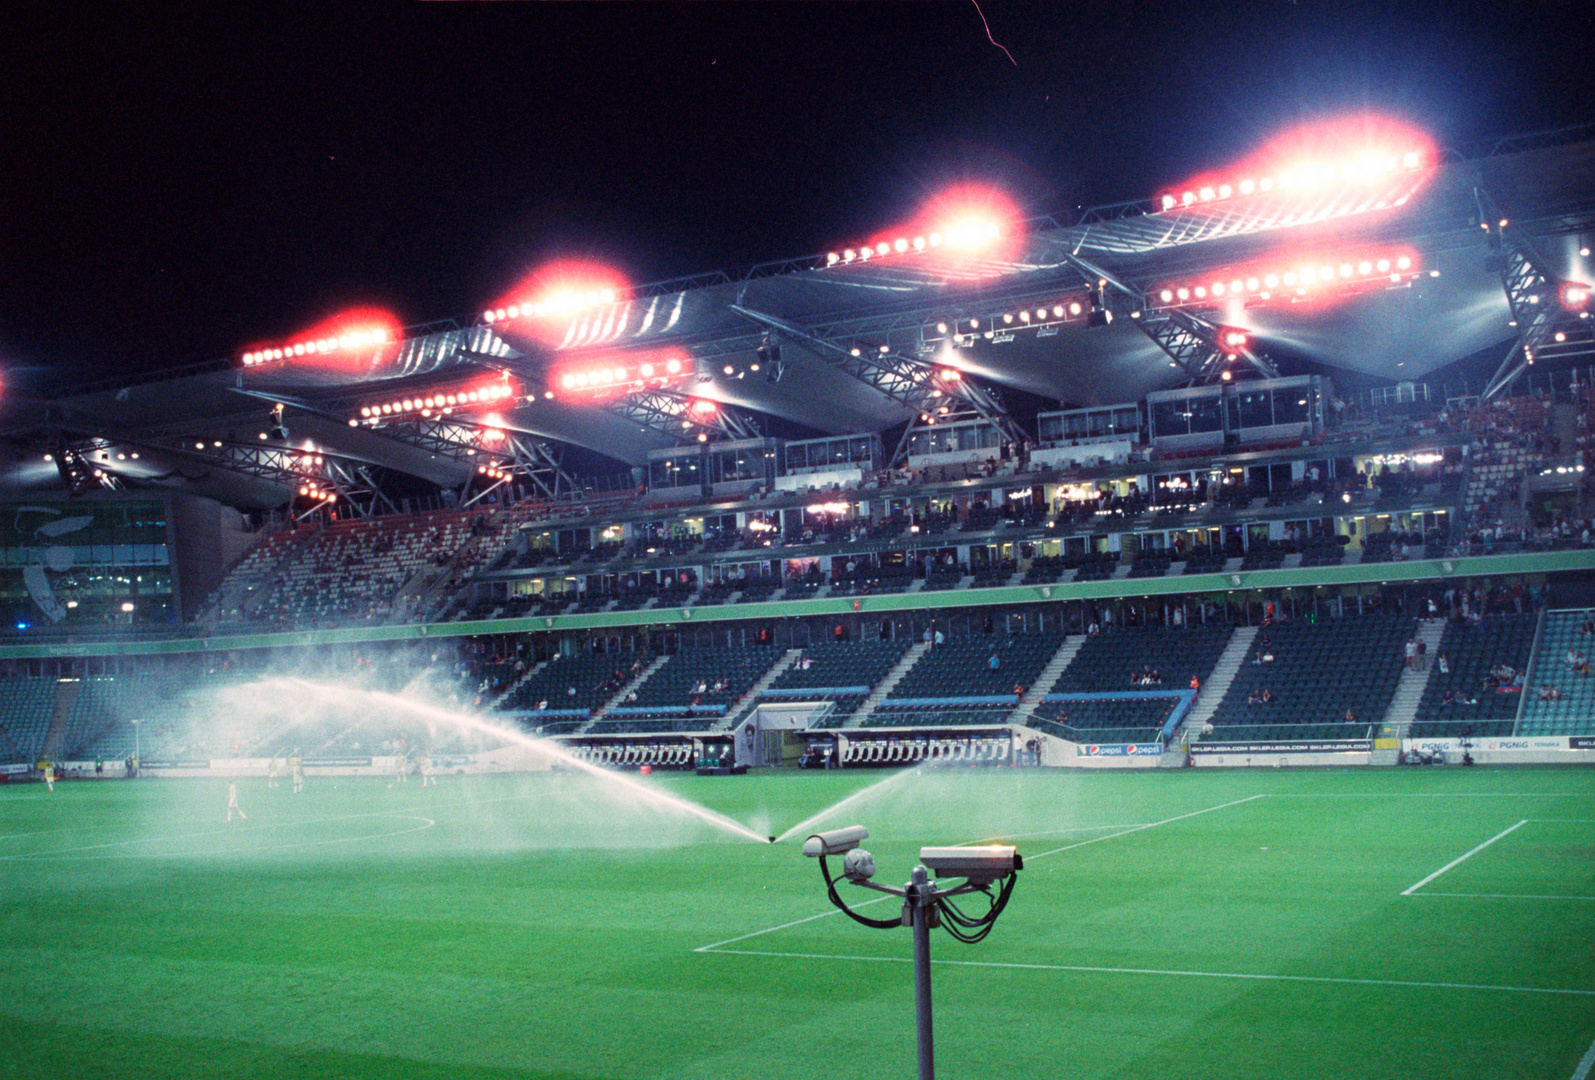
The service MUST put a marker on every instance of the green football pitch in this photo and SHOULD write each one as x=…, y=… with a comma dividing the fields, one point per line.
x=1274, y=924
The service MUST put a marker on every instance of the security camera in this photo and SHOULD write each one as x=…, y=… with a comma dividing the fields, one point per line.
x=858, y=865
x=835, y=842
x=980, y=865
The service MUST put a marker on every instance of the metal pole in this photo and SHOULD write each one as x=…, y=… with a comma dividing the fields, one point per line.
x=919, y=897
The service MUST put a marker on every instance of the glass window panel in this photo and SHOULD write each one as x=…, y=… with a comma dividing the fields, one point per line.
x=1205, y=415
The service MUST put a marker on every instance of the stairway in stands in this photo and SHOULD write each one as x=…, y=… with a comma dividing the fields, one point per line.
x=619, y=697
x=1398, y=718
x=1046, y=679
x=1218, y=683
x=66, y=696
x=742, y=706
x=886, y=685
x=498, y=702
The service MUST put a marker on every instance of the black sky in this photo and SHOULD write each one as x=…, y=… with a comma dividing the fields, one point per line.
x=174, y=186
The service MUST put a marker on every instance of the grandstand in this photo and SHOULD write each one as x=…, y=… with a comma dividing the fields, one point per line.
x=1199, y=547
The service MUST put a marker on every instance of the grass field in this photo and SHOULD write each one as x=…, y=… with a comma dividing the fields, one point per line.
x=1278, y=924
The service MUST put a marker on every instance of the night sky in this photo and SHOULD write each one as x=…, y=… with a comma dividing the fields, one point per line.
x=174, y=187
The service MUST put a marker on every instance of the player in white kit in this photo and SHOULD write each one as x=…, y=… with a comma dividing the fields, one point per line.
x=232, y=803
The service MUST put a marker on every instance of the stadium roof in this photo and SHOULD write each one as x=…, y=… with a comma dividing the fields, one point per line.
x=851, y=330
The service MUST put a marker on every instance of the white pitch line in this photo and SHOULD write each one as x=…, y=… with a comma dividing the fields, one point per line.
x=1046, y=832
x=1500, y=896
x=1427, y=795
x=1464, y=858
x=1148, y=825
x=785, y=926
x=1175, y=973
x=1585, y=1064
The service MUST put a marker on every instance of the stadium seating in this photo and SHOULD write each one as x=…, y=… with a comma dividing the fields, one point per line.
x=963, y=669
x=593, y=678
x=1319, y=672
x=1573, y=712
x=672, y=689
x=834, y=670
x=1109, y=660
x=1471, y=653
x=1104, y=720
x=27, y=705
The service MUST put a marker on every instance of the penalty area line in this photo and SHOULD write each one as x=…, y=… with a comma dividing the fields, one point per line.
x=785, y=926
x=1148, y=825
x=1460, y=859
x=1407, y=984
x=1585, y=1064
x=1500, y=896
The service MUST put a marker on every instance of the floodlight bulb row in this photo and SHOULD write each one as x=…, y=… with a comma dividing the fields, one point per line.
x=609, y=376
x=439, y=404
x=354, y=339
x=554, y=304
x=1362, y=169
x=962, y=330
x=963, y=234
x=1291, y=280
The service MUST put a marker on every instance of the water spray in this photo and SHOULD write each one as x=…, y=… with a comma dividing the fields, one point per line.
x=552, y=751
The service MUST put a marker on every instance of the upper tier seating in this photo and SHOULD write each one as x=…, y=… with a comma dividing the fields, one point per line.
x=352, y=570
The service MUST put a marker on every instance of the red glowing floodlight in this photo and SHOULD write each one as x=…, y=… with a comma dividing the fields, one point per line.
x=546, y=299
x=359, y=334
x=603, y=377
x=1365, y=152
x=1574, y=295
x=492, y=393
x=966, y=220
x=702, y=409
x=1316, y=278
x=1233, y=340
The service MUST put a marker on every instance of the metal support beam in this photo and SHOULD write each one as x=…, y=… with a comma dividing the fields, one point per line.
x=906, y=380
x=1188, y=339
x=515, y=457
x=901, y=379
x=1546, y=327
x=285, y=466
x=472, y=442
x=680, y=416
x=1192, y=343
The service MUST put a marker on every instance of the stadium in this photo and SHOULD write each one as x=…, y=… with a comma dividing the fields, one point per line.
x=1226, y=550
